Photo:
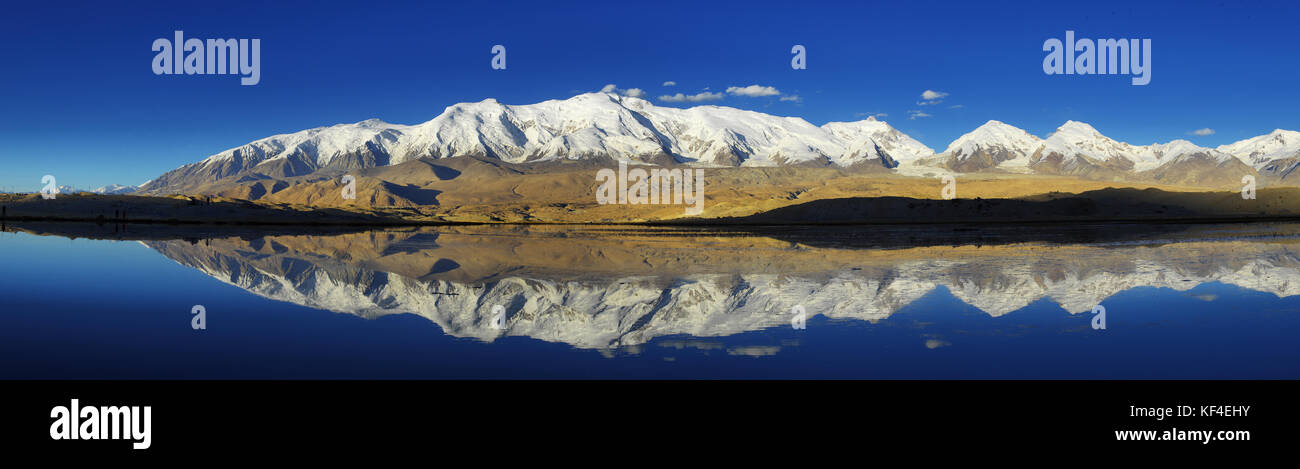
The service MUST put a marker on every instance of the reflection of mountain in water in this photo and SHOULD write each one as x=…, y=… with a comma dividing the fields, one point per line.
x=615, y=288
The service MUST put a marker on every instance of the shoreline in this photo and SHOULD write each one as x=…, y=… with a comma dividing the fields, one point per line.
x=675, y=223
x=1109, y=206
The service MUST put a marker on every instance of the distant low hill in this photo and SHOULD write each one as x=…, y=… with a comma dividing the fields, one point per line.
x=1108, y=205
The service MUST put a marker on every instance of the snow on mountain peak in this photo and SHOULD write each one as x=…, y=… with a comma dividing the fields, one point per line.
x=620, y=127
x=587, y=125
x=321, y=144
x=1076, y=126
x=994, y=136
x=1175, y=148
x=1074, y=138
x=114, y=189
x=864, y=140
x=372, y=122
x=1158, y=154
x=1260, y=151
x=1071, y=140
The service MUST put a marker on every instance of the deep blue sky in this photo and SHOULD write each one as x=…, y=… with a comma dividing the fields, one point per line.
x=80, y=100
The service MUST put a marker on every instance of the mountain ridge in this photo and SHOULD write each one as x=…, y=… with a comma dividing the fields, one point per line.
x=607, y=126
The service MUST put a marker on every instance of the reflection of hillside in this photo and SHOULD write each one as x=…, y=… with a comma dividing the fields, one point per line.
x=597, y=290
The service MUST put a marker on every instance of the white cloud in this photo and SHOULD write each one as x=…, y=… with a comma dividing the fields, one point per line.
x=914, y=114
x=693, y=98
x=877, y=115
x=930, y=95
x=631, y=92
x=670, y=83
x=792, y=98
x=956, y=106
x=752, y=91
x=1202, y=132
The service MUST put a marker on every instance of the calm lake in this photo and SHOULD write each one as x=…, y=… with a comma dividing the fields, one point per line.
x=1180, y=301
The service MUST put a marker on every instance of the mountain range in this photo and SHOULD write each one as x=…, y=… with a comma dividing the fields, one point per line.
x=607, y=126
x=114, y=189
x=111, y=189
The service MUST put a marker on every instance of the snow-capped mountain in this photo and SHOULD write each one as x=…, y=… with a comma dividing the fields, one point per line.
x=1264, y=148
x=62, y=189
x=586, y=126
x=1077, y=138
x=1275, y=154
x=115, y=189
x=1079, y=149
x=871, y=139
x=992, y=145
x=1160, y=153
x=1190, y=165
x=610, y=126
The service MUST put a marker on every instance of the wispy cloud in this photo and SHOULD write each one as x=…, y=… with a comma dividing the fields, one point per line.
x=1202, y=132
x=691, y=98
x=752, y=91
x=754, y=351
x=878, y=115
x=936, y=343
x=670, y=83
x=956, y=106
x=915, y=114
x=794, y=98
x=632, y=92
x=931, y=97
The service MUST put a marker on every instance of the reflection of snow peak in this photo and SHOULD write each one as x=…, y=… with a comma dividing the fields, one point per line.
x=655, y=186
x=624, y=309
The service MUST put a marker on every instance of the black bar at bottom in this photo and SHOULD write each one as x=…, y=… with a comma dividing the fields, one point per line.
x=258, y=417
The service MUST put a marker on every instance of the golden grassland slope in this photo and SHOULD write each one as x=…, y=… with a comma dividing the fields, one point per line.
x=476, y=190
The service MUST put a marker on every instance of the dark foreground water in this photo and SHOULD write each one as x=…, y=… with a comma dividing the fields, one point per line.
x=558, y=302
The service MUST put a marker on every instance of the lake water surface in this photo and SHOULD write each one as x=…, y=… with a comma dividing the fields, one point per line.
x=104, y=301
